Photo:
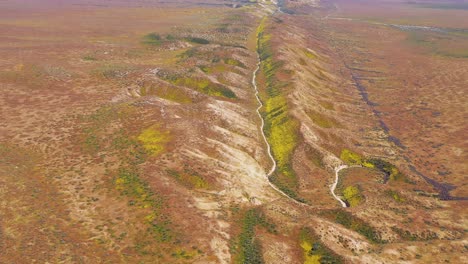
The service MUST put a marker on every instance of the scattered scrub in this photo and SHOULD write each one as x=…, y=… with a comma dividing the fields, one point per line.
x=89, y=58
x=315, y=156
x=189, y=179
x=314, y=251
x=129, y=184
x=248, y=248
x=112, y=71
x=409, y=236
x=198, y=40
x=351, y=222
x=395, y=196
x=234, y=62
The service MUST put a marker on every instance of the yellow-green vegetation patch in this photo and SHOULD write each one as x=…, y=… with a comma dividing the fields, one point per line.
x=152, y=39
x=352, y=195
x=310, y=55
x=217, y=68
x=350, y=157
x=321, y=120
x=247, y=248
x=189, y=179
x=352, y=222
x=314, y=252
x=281, y=129
x=174, y=94
x=203, y=85
x=395, y=196
x=234, y=62
x=154, y=140
x=327, y=105
x=390, y=171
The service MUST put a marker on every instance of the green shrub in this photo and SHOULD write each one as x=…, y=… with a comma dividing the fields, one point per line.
x=351, y=222
x=249, y=248
x=152, y=39
x=198, y=40
x=314, y=251
x=128, y=183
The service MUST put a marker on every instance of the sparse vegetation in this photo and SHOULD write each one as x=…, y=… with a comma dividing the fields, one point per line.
x=198, y=40
x=189, y=178
x=89, y=58
x=234, y=62
x=409, y=236
x=203, y=85
x=315, y=156
x=321, y=120
x=395, y=196
x=152, y=39
x=248, y=249
x=112, y=71
x=316, y=252
x=129, y=184
x=349, y=221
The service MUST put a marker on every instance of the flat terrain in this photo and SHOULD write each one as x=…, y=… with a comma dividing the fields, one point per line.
x=130, y=131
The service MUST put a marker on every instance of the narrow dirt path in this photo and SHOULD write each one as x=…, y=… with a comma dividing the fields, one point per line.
x=333, y=186
x=262, y=131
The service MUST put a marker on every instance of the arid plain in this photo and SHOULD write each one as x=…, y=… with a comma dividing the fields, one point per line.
x=217, y=131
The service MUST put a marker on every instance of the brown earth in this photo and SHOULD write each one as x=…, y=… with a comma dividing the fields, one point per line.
x=129, y=132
